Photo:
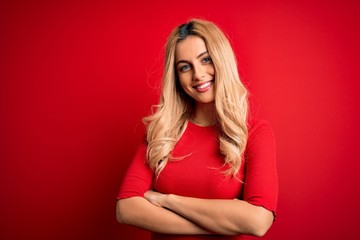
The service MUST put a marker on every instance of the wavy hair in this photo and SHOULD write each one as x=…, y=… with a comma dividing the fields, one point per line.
x=168, y=121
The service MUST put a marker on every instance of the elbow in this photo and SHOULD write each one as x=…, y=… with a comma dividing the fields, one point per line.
x=257, y=223
x=120, y=212
x=260, y=231
x=128, y=210
x=262, y=222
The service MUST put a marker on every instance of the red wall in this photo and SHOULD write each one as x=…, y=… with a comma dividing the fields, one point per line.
x=76, y=78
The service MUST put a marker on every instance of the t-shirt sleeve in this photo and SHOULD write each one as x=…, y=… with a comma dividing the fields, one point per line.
x=138, y=178
x=261, y=180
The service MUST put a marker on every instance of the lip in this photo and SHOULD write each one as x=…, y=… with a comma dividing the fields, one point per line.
x=203, y=86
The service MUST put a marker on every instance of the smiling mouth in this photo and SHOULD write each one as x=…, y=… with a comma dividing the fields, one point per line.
x=204, y=86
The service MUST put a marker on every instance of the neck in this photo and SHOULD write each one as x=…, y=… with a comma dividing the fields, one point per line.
x=204, y=114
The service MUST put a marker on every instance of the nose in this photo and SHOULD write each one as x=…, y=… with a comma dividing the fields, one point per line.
x=199, y=73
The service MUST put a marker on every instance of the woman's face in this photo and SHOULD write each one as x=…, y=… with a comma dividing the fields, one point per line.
x=195, y=69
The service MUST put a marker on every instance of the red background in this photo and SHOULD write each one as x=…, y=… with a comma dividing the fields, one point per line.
x=76, y=78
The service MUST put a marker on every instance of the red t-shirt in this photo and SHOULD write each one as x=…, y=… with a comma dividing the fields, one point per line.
x=197, y=171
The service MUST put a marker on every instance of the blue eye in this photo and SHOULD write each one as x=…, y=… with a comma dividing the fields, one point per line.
x=207, y=59
x=184, y=68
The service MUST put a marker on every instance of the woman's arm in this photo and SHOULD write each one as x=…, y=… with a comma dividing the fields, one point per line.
x=132, y=208
x=137, y=211
x=227, y=217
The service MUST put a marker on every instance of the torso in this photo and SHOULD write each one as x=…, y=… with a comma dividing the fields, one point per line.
x=197, y=167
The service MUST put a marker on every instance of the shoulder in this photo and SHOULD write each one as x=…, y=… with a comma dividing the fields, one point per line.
x=260, y=132
x=256, y=125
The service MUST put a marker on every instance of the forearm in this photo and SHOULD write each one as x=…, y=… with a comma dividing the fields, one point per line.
x=227, y=217
x=137, y=211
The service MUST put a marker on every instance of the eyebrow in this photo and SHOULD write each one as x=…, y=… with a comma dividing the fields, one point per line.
x=199, y=56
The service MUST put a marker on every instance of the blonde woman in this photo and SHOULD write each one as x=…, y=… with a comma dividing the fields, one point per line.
x=206, y=169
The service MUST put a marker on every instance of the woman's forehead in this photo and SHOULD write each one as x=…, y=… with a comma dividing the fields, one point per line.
x=189, y=48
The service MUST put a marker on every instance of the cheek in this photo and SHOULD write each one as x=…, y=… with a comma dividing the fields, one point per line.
x=185, y=80
x=184, y=86
x=211, y=70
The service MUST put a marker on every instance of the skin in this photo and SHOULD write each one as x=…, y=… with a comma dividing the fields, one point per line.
x=174, y=214
x=195, y=69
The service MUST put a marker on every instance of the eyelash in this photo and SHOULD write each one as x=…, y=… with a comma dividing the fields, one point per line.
x=207, y=59
x=184, y=68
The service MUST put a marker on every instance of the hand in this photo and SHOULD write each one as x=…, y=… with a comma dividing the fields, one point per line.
x=155, y=198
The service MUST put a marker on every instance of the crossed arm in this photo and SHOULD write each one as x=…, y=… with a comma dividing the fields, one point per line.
x=173, y=214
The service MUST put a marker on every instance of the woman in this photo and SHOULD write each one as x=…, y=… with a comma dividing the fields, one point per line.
x=206, y=169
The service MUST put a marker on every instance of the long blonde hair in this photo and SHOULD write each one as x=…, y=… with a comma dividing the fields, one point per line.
x=167, y=123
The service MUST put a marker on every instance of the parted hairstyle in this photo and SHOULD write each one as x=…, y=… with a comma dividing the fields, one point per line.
x=165, y=125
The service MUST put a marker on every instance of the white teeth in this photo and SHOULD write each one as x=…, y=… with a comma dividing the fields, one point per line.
x=204, y=85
